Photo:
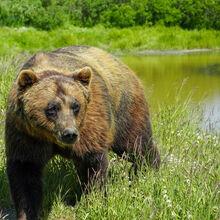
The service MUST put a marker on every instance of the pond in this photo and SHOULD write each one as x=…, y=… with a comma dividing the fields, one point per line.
x=168, y=77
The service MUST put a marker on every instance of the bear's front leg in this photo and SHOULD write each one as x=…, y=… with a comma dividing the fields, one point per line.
x=92, y=168
x=26, y=188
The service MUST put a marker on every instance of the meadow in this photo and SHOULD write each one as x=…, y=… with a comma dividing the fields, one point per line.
x=186, y=186
x=114, y=40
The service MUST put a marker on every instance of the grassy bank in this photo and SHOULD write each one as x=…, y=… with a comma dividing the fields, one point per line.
x=186, y=186
x=20, y=40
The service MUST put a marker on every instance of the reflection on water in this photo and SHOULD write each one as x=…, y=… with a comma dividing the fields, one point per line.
x=163, y=77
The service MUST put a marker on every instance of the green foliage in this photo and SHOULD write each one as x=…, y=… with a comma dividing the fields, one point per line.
x=31, y=13
x=119, y=16
x=49, y=14
x=87, y=12
x=199, y=14
x=114, y=40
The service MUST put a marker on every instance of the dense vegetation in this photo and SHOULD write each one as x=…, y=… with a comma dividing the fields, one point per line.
x=117, y=41
x=49, y=14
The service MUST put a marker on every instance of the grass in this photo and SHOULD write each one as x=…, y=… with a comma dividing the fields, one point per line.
x=117, y=41
x=186, y=186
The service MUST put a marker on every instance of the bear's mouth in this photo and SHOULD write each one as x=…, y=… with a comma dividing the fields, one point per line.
x=64, y=144
x=67, y=137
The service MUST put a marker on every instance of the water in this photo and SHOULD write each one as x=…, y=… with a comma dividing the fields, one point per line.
x=168, y=77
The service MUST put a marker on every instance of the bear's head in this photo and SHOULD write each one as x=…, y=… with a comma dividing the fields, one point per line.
x=53, y=104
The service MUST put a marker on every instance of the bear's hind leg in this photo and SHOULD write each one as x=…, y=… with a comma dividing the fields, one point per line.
x=140, y=150
x=144, y=152
x=92, y=168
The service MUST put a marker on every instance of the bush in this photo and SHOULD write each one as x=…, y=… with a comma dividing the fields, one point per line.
x=199, y=14
x=31, y=13
x=119, y=16
x=18, y=13
x=49, y=18
x=49, y=14
x=164, y=12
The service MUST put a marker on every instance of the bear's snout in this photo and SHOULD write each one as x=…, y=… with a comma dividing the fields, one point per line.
x=69, y=135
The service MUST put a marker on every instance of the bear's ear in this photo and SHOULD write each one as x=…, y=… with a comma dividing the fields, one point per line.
x=83, y=75
x=26, y=79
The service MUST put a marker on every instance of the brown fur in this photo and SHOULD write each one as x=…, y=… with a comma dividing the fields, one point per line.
x=113, y=115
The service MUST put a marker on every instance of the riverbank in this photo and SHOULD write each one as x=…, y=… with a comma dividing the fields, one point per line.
x=141, y=40
x=175, y=52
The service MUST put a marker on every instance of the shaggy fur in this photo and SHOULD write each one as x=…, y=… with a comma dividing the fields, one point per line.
x=81, y=88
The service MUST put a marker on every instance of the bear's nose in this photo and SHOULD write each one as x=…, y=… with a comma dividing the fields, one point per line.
x=69, y=135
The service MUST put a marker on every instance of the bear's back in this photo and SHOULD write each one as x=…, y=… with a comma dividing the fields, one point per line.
x=107, y=69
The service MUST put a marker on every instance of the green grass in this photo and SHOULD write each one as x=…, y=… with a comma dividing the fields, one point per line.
x=186, y=186
x=21, y=40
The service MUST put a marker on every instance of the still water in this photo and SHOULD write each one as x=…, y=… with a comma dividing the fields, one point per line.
x=168, y=77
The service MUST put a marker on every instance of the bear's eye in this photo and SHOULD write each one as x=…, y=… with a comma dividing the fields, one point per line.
x=75, y=106
x=52, y=109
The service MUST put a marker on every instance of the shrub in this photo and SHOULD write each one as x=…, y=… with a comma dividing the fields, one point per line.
x=119, y=16
x=31, y=13
x=49, y=14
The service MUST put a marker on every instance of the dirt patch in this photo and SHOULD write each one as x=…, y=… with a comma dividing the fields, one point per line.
x=174, y=52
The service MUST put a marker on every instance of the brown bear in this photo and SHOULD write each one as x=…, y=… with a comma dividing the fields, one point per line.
x=78, y=102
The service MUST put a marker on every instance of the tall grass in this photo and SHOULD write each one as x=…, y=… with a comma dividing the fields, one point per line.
x=186, y=186
x=118, y=41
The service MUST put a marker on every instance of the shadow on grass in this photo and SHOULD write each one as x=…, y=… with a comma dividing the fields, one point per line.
x=6, y=210
x=60, y=185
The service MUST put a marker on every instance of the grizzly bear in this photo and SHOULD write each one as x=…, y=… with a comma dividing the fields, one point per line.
x=78, y=102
